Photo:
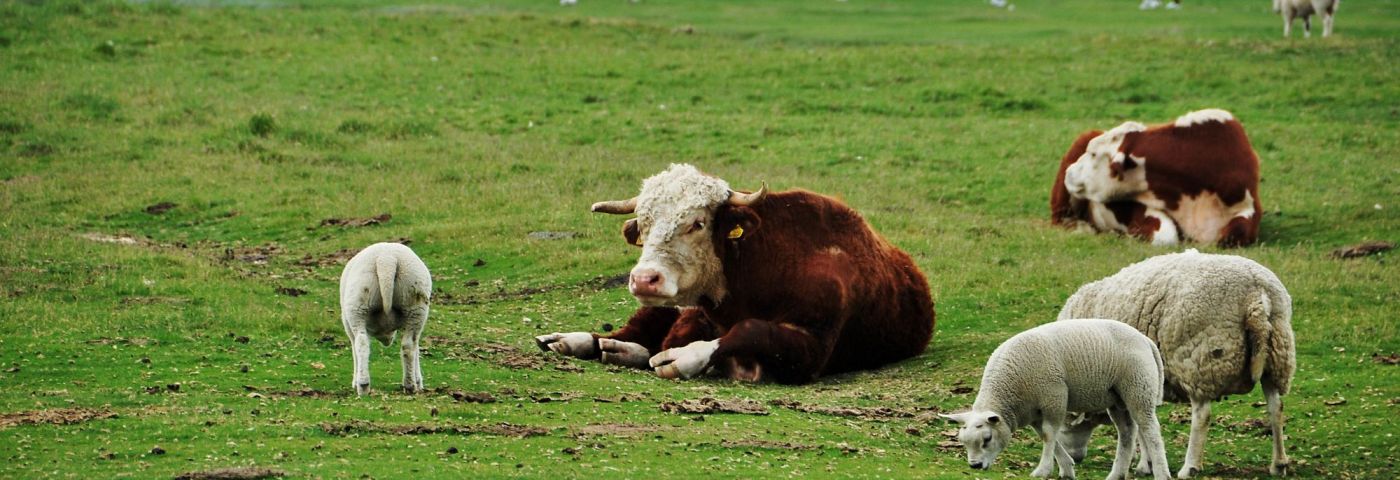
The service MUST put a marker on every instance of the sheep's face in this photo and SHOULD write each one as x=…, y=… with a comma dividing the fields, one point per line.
x=1077, y=431
x=984, y=434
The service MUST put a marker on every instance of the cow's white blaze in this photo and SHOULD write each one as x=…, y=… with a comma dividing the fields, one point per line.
x=1090, y=178
x=675, y=212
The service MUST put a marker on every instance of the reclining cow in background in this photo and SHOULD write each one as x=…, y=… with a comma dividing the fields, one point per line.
x=1196, y=180
x=783, y=286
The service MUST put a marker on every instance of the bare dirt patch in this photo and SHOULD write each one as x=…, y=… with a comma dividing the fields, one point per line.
x=499, y=429
x=864, y=413
x=160, y=208
x=58, y=416
x=615, y=429
x=239, y=473
x=712, y=405
x=765, y=444
x=1392, y=359
x=1362, y=249
x=356, y=222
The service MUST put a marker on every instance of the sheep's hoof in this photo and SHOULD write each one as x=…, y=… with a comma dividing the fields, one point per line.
x=1279, y=469
x=362, y=389
x=1187, y=471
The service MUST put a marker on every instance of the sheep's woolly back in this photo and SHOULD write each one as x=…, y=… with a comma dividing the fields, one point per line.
x=679, y=191
x=1223, y=322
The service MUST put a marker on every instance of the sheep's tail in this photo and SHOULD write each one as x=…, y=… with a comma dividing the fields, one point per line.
x=1258, y=331
x=386, y=267
x=1161, y=369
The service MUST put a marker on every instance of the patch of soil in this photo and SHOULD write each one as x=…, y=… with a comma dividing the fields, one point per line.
x=303, y=393
x=258, y=255
x=160, y=208
x=151, y=301
x=765, y=444
x=547, y=235
x=339, y=257
x=238, y=473
x=712, y=405
x=1362, y=249
x=475, y=397
x=615, y=429
x=137, y=341
x=291, y=291
x=1392, y=359
x=355, y=222
x=1254, y=425
x=58, y=416
x=121, y=239
x=864, y=413
x=500, y=429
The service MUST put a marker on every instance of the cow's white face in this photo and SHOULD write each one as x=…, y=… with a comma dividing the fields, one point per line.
x=1104, y=173
x=983, y=434
x=674, y=225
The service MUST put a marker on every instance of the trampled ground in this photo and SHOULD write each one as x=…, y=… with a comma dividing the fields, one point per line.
x=168, y=272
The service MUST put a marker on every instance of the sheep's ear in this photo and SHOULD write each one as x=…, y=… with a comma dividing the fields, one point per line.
x=994, y=419
x=954, y=417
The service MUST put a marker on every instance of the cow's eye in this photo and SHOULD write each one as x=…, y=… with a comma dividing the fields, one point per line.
x=697, y=226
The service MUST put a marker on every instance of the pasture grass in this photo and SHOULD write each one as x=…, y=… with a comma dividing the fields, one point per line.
x=476, y=123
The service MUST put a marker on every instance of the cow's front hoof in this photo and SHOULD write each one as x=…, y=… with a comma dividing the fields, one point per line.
x=684, y=362
x=626, y=354
x=576, y=344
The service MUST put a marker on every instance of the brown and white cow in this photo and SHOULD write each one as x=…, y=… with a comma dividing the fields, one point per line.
x=782, y=286
x=1196, y=179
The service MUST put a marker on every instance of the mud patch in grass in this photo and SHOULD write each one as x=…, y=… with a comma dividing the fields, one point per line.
x=58, y=416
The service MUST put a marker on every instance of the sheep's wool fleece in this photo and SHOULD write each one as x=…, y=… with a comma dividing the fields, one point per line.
x=1222, y=322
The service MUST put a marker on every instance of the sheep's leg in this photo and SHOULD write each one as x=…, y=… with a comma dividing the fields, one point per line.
x=1287, y=23
x=1047, y=462
x=1200, y=423
x=1151, y=437
x=359, y=349
x=1271, y=395
x=1307, y=26
x=1327, y=25
x=1127, y=442
x=414, y=321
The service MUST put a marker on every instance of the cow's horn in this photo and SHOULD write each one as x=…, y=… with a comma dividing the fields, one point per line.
x=745, y=199
x=616, y=207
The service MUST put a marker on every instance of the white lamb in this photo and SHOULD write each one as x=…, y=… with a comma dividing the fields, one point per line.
x=385, y=289
x=1040, y=375
x=1222, y=323
x=1291, y=9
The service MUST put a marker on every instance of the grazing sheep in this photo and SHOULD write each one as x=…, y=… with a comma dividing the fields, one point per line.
x=385, y=289
x=1291, y=9
x=1040, y=375
x=1222, y=323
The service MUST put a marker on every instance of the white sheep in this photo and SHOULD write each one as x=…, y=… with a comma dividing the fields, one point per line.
x=1040, y=375
x=1222, y=323
x=385, y=289
x=1291, y=9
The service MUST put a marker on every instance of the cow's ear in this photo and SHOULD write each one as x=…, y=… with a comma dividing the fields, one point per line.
x=631, y=232
x=736, y=223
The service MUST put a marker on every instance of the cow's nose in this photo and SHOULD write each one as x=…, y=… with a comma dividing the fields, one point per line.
x=646, y=281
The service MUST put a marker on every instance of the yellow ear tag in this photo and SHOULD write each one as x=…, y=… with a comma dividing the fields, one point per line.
x=737, y=232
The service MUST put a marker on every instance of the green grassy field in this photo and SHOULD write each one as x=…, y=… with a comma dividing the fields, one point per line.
x=206, y=335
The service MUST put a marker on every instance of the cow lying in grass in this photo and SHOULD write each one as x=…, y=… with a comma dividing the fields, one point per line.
x=783, y=286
